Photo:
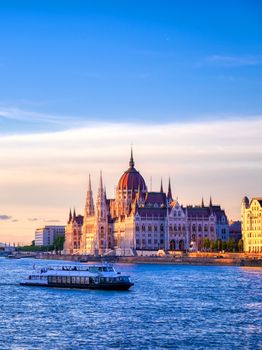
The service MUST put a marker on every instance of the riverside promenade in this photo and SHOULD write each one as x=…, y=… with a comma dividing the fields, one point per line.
x=178, y=258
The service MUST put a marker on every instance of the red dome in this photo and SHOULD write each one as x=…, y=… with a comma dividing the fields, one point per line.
x=131, y=179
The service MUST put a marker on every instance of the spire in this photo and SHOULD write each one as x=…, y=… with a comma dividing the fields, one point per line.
x=70, y=216
x=169, y=193
x=161, y=186
x=74, y=215
x=89, y=206
x=101, y=182
x=210, y=202
x=202, y=203
x=89, y=184
x=131, y=162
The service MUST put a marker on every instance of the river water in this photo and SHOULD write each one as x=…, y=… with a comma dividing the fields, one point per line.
x=170, y=307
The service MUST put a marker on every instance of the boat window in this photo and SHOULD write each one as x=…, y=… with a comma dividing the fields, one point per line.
x=68, y=279
x=86, y=280
x=77, y=280
x=104, y=268
x=53, y=279
x=82, y=280
x=59, y=280
x=73, y=280
x=63, y=279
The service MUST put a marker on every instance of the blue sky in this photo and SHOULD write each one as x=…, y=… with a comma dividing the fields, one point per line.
x=151, y=61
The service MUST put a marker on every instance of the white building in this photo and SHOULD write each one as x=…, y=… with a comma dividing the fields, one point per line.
x=251, y=217
x=47, y=234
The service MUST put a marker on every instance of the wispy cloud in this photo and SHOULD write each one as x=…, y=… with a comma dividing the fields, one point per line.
x=4, y=217
x=18, y=114
x=43, y=220
x=45, y=174
x=234, y=61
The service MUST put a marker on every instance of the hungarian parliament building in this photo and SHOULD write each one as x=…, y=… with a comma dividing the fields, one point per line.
x=139, y=221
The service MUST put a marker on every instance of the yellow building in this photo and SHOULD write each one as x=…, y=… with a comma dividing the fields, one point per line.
x=251, y=217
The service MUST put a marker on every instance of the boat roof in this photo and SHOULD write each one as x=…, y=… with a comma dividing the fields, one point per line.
x=84, y=267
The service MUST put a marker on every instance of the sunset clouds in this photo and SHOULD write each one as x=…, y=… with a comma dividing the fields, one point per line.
x=42, y=175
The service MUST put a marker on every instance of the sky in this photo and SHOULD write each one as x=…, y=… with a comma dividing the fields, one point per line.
x=82, y=80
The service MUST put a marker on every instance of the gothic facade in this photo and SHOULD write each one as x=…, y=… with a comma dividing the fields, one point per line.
x=141, y=220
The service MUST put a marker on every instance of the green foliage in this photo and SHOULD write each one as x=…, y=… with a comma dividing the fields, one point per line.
x=224, y=246
x=240, y=246
x=231, y=245
x=207, y=243
x=34, y=248
x=59, y=243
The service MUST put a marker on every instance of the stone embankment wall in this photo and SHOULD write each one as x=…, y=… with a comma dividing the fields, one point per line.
x=230, y=259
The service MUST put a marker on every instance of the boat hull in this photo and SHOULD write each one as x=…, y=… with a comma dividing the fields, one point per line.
x=101, y=286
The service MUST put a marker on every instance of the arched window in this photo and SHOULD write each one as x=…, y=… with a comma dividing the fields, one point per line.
x=194, y=228
x=149, y=228
x=137, y=228
x=205, y=229
x=199, y=228
x=184, y=227
x=179, y=227
x=175, y=227
x=161, y=227
x=143, y=228
x=155, y=228
x=170, y=228
x=212, y=228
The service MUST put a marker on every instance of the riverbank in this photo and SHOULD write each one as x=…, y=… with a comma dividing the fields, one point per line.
x=229, y=259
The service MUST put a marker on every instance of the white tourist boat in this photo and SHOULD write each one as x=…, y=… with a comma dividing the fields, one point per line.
x=99, y=276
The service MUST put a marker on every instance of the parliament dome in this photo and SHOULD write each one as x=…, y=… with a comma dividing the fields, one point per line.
x=131, y=179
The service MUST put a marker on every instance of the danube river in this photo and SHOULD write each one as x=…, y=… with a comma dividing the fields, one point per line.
x=170, y=307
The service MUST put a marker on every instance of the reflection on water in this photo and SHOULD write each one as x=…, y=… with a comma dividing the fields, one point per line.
x=170, y=307
x=252, y=269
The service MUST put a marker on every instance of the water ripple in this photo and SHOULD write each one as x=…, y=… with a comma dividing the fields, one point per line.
x=170, y=307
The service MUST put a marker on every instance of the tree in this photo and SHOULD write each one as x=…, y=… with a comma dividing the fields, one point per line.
x=207, y=243
x=219, y=244
x=215, y=245
x=59, y=243
x=240, y=245
x=224, y=246
x=230, y=245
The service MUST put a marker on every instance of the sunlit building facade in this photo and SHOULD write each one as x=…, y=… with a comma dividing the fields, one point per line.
x=251, y=217
x=140, y=220
x=47, y=234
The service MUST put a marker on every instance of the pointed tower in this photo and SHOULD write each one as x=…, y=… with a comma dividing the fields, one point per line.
x=161, y=186
x=101, y=201
x=89, y=206
x=74, y=215
x=210, y=202
x=101, y=239
x=70, y=216
x=202, y=203
x=131, y=162
x=169, y=193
